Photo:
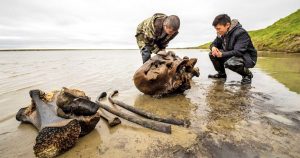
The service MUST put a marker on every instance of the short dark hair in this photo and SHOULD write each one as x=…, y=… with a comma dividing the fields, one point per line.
x=172, y=21
x=222, y=19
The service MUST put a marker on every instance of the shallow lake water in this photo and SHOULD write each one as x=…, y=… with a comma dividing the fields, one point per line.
x=227, y=119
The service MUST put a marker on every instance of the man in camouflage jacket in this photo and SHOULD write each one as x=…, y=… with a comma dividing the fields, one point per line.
x=154, y=33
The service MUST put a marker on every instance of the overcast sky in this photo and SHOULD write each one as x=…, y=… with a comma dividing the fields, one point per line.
x=112, y=23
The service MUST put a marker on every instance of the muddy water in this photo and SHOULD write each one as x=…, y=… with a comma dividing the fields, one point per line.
x=227, y=119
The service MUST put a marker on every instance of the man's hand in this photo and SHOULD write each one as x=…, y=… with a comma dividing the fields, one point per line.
x=162, y=52
x=214, y=51
x=219, y=55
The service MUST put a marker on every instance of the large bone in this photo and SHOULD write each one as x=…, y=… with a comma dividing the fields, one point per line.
x=78, y=108
x=74, y=101
x=148, y=115
x=56, y=135
x=140, y=121
x=111, y=121
x=50, y=113
x=87, y=123
x=165, y=73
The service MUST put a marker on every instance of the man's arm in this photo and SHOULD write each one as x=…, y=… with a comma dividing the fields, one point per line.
x=143, y=40
x=215, y=46
x=240, y=46
x=163, y=44
x=149, y=39
x=216, y=43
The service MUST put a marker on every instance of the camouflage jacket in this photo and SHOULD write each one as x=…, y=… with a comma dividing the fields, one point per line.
x=151, y=33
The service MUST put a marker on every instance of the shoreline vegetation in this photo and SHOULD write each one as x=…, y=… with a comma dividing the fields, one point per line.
x=282, y=36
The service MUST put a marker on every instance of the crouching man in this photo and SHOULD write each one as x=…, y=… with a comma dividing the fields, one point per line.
x=232, y=49
x=154, y=33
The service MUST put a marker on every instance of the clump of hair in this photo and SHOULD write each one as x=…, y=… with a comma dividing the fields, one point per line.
x=221, y=19
x=173, y=22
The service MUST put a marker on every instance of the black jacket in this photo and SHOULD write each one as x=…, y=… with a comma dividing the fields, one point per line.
x=237, y=42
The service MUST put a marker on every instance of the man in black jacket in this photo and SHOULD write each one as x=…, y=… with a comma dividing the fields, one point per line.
x=232, y=49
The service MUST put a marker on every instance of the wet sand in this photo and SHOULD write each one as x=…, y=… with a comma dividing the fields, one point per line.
x=227, y=119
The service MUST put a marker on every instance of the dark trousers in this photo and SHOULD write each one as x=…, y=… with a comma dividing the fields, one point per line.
x=235, y=64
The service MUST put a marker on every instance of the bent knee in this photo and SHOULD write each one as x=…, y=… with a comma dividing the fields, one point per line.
x=233, y=64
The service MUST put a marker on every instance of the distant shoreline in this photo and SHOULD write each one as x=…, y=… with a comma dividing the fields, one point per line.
x=70, y=49
x=61, y=49
x=202, y=49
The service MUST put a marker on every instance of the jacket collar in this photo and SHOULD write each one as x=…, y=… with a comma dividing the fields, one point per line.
x=234, y=25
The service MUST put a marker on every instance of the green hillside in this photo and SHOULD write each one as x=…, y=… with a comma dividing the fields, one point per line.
x=282, y=36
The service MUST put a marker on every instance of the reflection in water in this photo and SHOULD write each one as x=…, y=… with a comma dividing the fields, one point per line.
x=285, y=68
x=177, y=106
x=229, y=105
x=86, y=144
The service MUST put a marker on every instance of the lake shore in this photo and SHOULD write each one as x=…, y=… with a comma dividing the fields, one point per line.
x=227, y=119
